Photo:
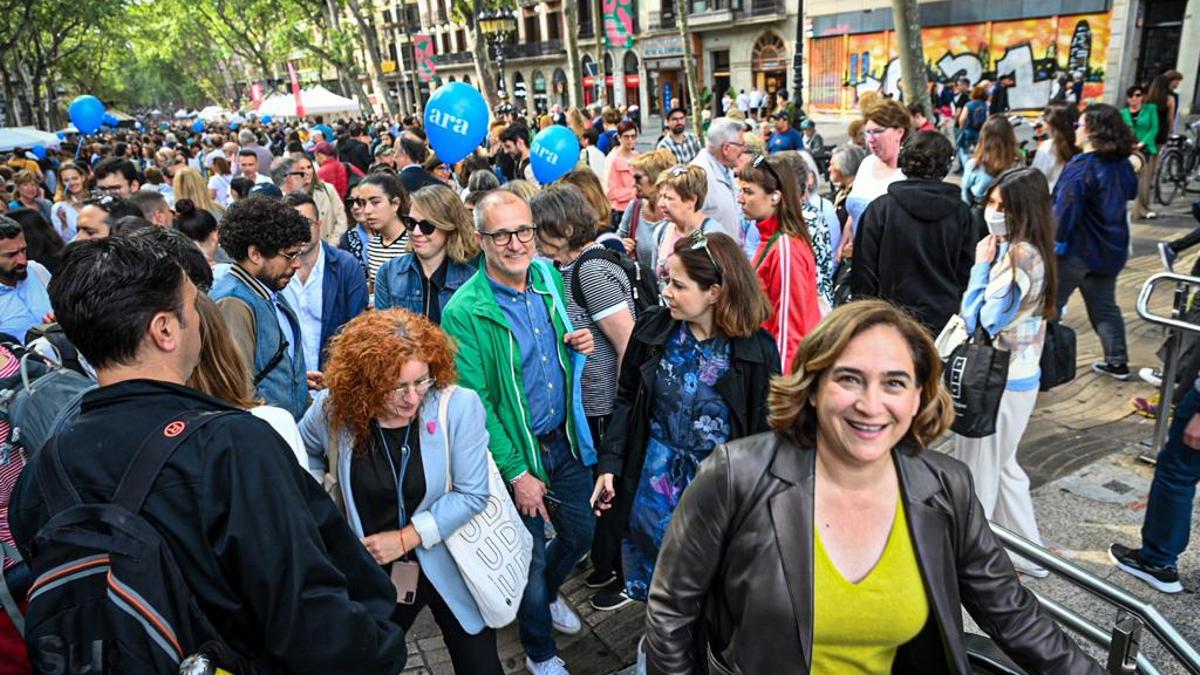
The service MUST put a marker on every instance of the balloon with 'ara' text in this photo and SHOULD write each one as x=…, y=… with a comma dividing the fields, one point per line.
x=87, y=113
x=554, y=152
x=456, y=119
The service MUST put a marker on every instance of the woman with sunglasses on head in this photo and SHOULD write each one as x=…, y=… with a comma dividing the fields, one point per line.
x=784, y=261
x=681, y=193
x=1010, y=295
x=384, y=203
x=618, y=183
x=695, y=375
x=404, y=478
x=443, y=254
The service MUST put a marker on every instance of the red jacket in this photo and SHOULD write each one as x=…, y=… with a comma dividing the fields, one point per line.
x=334, y=173
x=788, y=272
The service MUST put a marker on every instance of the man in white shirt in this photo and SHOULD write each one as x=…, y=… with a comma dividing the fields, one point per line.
x=23, y=297
x=743, y=102
x=248, y=164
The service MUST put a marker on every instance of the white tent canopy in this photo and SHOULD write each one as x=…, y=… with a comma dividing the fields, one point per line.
x=317, y=101
x=213, y=112
x=12, y=138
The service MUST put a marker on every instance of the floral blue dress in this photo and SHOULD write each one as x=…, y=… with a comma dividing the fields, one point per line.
x=690, y=419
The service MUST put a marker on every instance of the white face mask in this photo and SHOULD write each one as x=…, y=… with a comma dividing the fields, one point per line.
x=997, y=224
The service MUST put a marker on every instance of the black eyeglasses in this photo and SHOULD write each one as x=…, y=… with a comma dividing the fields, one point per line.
x=412, y=225
x=760, y=162
x=700, y=240
x=298, y=173
x=524, y=234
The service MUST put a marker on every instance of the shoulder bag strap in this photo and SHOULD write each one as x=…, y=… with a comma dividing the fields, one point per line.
x=6, y=597
x=152, y=456
x=443, y=415
x=52, y=479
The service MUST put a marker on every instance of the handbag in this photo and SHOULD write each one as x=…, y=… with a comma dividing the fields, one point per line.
x=1058, y=356
x=493, y=549
x=953, y=334
x=976, y=375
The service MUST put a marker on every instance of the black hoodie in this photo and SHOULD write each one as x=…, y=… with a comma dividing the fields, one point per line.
x=915, y=247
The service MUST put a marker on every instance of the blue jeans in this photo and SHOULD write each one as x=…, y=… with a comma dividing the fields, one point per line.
x=1169, y=511
x=571, y=482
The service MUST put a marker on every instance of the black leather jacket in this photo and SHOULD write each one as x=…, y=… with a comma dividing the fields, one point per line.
x=732, y=591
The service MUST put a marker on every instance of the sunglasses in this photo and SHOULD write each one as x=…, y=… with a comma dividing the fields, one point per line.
x=700, y=240
x=760, y=162
x=677, y=170
x=412, y=225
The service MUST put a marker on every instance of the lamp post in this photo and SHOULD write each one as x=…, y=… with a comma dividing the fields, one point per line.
x=497, y=26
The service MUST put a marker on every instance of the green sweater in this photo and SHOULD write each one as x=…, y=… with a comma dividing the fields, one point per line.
x=1146, y=127
x=489, y=362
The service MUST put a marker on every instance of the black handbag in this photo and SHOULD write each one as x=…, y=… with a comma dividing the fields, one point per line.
x=1058, y=356
x=976, y=375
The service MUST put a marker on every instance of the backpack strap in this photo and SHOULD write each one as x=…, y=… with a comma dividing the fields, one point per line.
x=52, y=478
x=152, y=456
x=6, y=597
x=576, y=285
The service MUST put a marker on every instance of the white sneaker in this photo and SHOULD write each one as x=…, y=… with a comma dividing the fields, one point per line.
x=563, y=618
x=551, y=666
x=1150, y=215
x=1151, y=376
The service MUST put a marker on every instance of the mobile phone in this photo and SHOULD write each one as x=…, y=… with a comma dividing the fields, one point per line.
x=552, y=503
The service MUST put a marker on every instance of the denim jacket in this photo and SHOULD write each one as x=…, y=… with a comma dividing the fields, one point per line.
x=398, y=283
x=285, y=385
x=440, y=513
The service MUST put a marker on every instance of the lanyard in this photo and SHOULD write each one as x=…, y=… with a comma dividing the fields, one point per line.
x=398, y=477
x=770, y=243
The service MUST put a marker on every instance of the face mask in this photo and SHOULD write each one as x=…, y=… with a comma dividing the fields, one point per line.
x=996, y=222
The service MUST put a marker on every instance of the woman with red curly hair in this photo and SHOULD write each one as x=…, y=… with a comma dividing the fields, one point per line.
x=377, y=432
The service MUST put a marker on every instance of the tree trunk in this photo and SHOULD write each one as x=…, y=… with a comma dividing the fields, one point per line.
x=598, y=28
x=689, y=67
x=375, y=68
x=907, y=19
x=12, y=114
x=571, y=33
x=483, y=68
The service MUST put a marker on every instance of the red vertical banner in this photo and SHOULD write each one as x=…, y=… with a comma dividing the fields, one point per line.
x=256, y=94
x=423, y=54
x=296, y=89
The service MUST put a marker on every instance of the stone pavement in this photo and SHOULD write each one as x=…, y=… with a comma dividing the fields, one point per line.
x=1080, y=451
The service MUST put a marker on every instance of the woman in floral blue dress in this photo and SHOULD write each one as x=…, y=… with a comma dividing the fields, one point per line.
x=695, y=375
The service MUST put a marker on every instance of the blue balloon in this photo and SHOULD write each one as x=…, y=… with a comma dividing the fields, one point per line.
x=87, y=113
x=109, y=120
x=198, y=125
x=456, y=120
x=62, y=135
x=39, y=151
x=554, y=152
x=266, y=119
x=139, y=126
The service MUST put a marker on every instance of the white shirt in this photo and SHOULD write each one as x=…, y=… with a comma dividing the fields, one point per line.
x=284, y=425
x=595, y=162
x=306, y=299
x=221, y=185
x=743, y=102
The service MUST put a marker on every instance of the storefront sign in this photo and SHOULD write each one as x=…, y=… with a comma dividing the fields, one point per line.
x=662, y=47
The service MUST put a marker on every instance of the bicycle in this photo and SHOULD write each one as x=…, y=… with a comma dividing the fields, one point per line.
x=1178, y=165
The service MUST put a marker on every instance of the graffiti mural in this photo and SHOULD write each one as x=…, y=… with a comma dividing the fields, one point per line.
x=1035, y=51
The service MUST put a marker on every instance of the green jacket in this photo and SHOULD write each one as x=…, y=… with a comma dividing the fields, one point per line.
x=1147, y=125
x=489, y=362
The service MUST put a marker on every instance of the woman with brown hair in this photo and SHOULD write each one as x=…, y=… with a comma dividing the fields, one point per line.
x=589, y=185
x=842, y=527
x=73, y=189
x=995, y=153
x=376, y=435
x=443, y=255
x=1059, y=147
x=222, y=373
x=695, y=375
x=618, y=182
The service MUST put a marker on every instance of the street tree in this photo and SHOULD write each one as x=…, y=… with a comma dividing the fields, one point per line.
x=907, y=19
x=689, y=66
x=571, y=33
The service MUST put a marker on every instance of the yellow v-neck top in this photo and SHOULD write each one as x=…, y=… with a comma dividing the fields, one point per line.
x=858, y=627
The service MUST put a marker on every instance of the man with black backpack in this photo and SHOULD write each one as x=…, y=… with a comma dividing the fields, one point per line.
x=165, y=524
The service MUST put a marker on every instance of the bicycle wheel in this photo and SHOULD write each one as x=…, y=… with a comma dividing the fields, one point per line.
x=1171, y=178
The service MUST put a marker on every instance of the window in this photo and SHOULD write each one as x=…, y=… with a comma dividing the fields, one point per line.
x=554, y=25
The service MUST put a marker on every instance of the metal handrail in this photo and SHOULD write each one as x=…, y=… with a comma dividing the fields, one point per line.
x=1107, y=591
x=1176, y=327
x=1086, y=629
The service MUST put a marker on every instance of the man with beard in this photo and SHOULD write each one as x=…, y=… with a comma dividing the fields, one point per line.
x=23, y=297
x=680, y=141
x=515, y=141
x=265, y=238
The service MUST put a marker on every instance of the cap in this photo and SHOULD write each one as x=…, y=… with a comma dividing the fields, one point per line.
x=325, y=148
x=384, y=149
x=807, y=124
x=781, y=115
x=266, y=190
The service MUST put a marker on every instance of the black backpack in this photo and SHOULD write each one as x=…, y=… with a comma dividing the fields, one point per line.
x=105, y=583
x=641, y=279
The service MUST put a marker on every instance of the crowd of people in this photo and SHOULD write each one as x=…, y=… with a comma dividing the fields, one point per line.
x=694, y=368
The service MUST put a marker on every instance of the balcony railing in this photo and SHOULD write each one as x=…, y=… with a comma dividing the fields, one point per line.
x=762, y=7
x=531, y=49
x=453, y=58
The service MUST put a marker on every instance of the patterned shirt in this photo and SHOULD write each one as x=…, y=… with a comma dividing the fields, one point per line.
x=1006, y=296
x=685, y=150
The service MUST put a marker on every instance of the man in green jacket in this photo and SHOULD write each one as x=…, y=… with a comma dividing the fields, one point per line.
x=517, y=350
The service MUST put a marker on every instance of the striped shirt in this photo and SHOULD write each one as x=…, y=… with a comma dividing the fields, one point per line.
x=685, y=150
x=378, y=252
x=607, y=291
x=1006, y=296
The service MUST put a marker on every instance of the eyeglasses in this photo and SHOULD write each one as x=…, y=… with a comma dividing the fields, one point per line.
x=110, y=189
x=876, y=131
x=412, y=225
x=700, y=240
x=760, y=162
x=301, y=174
x=630, y=135
x=420, y=387
x=356, y=203
x=524, y=234
x=291, y=257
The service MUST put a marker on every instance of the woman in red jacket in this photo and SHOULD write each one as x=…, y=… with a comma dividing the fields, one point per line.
x=784, y=261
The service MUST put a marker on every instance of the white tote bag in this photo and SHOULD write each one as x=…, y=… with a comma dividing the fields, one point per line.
x=493, y=549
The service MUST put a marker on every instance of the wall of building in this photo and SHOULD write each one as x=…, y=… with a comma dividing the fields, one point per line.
x=843, y=67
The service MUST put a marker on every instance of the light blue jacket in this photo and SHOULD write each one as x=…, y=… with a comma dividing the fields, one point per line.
x=440, y=513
